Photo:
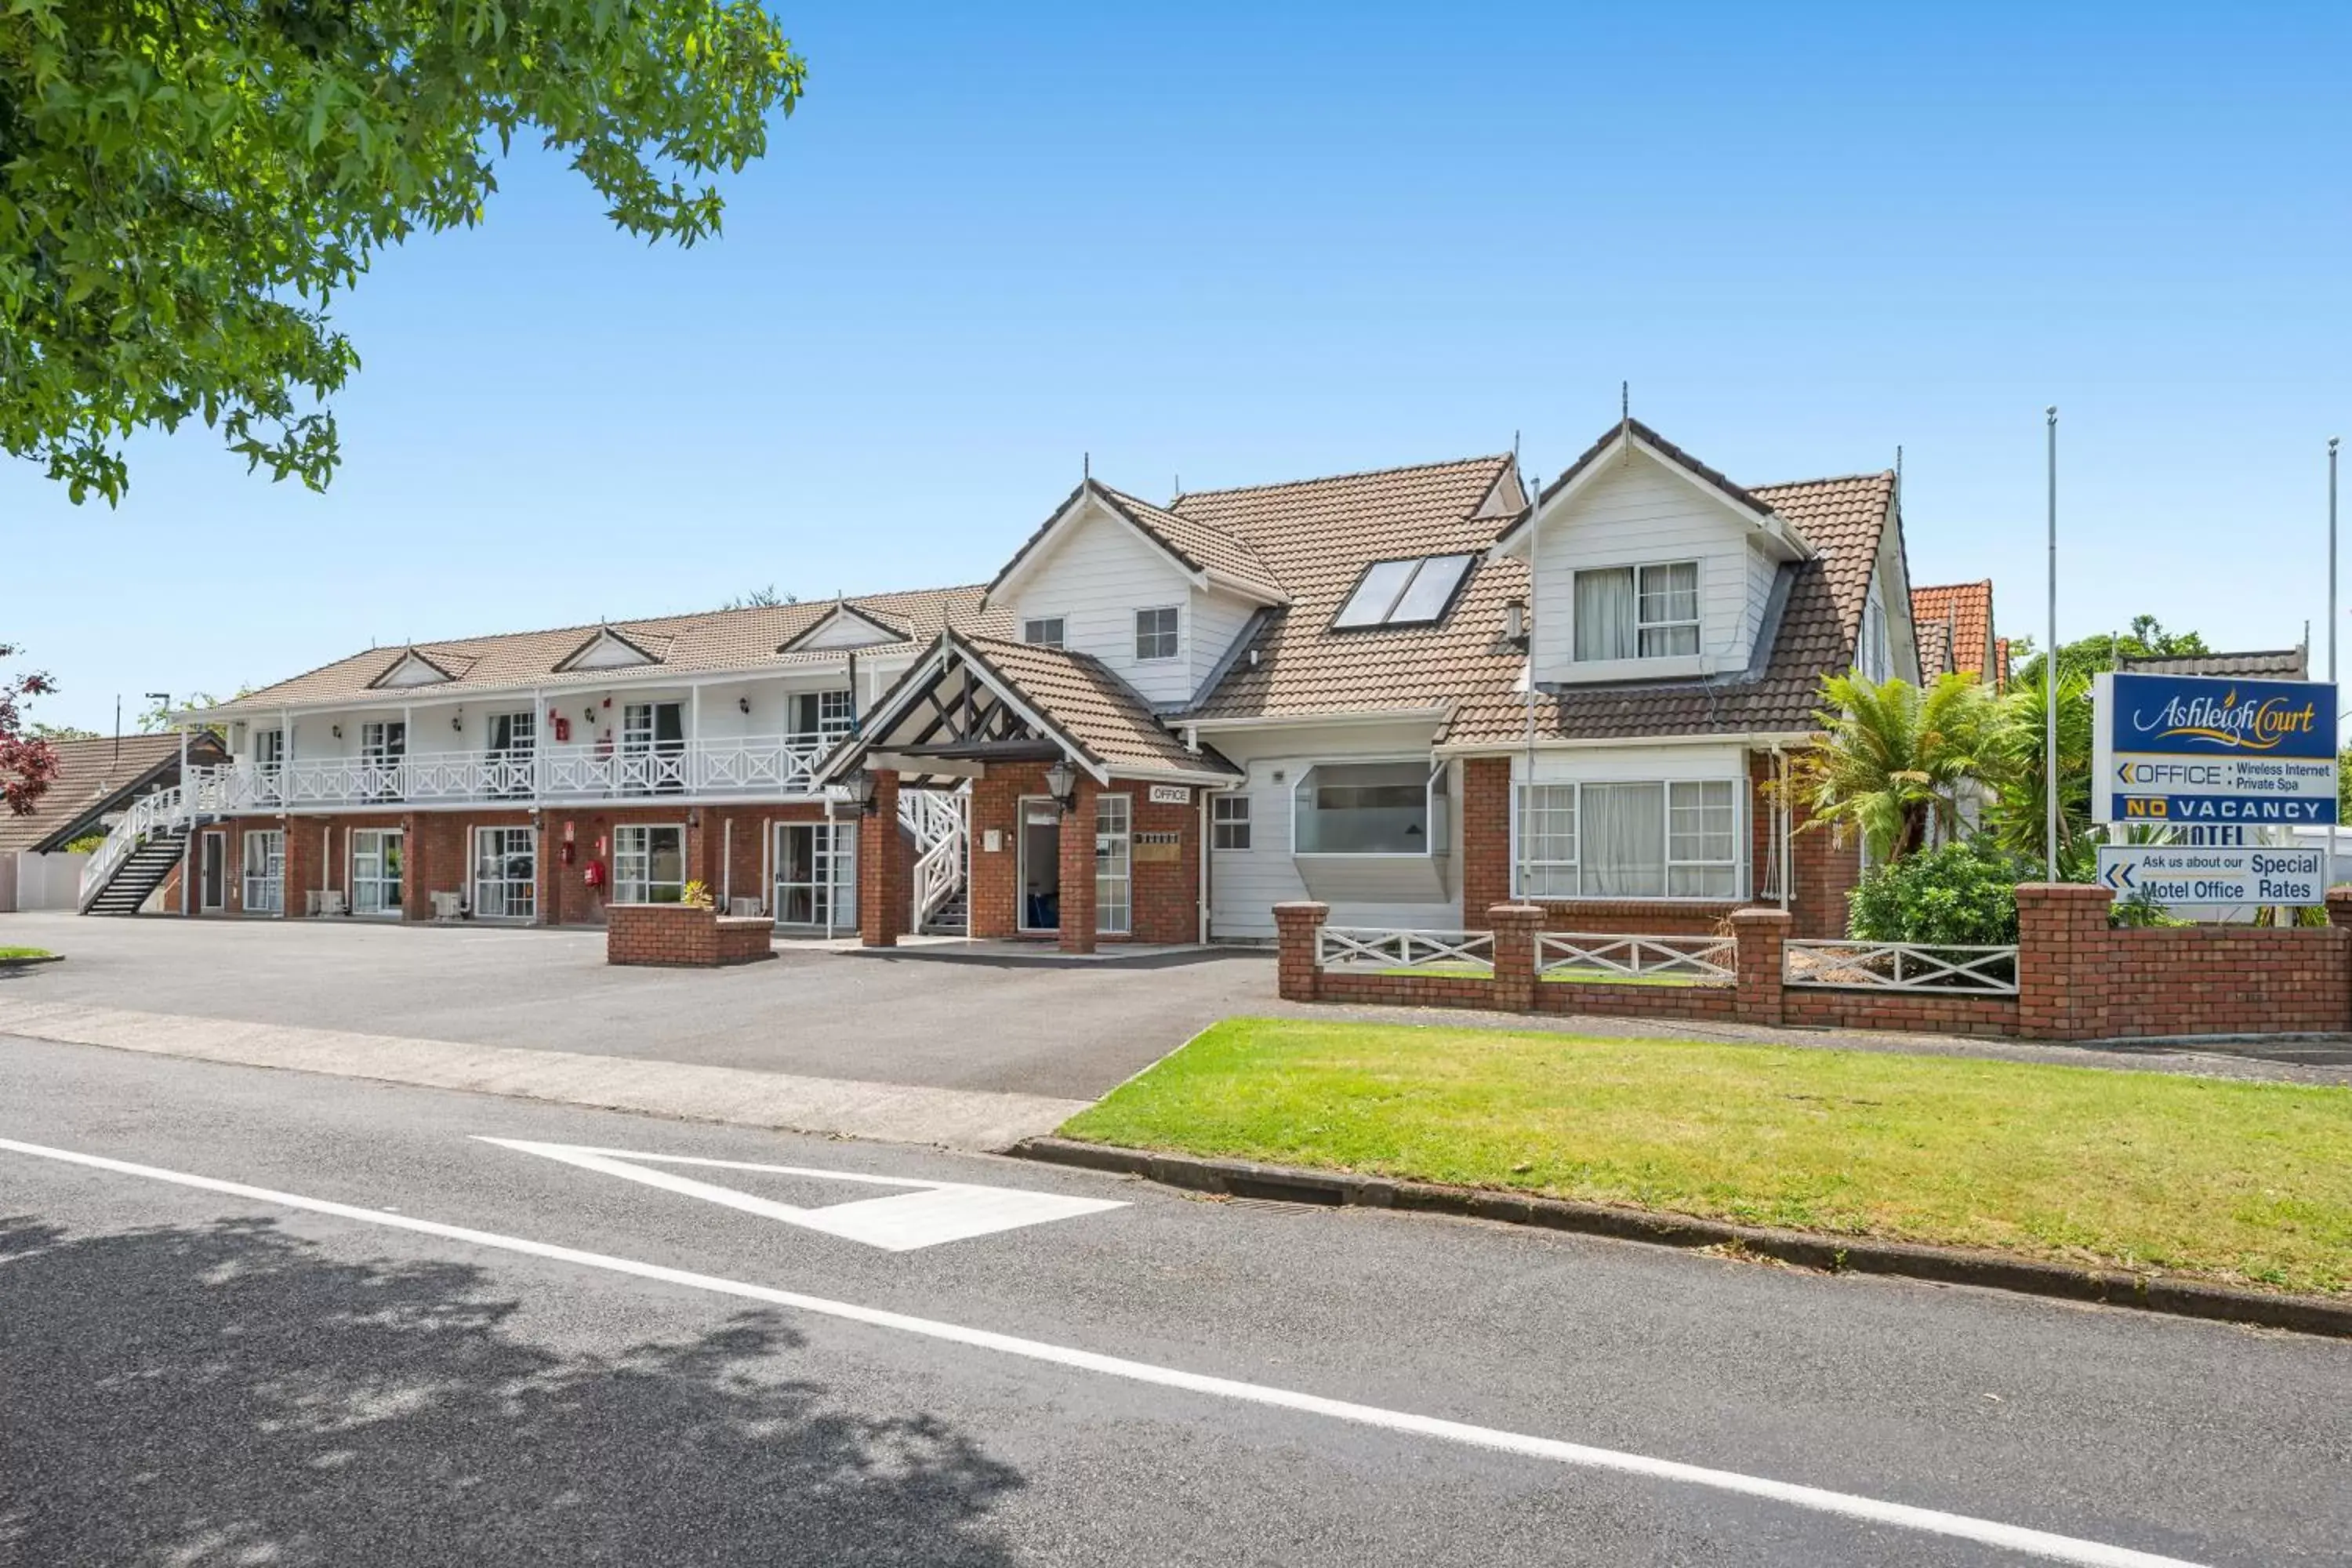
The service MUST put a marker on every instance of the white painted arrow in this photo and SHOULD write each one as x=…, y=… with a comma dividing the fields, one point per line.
x=925, y=1214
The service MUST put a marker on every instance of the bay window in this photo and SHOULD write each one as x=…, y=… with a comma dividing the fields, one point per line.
x=1677, y=839
x=1638, y=611
x=1367, y=808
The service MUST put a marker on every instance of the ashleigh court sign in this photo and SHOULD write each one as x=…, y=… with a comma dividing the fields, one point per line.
x=2201, y=749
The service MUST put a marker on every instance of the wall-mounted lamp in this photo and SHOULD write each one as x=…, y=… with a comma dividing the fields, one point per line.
x=338, y=728
x=1515, y=623
x=742, y=704
x=1062, y=782
x=458, y=720
x=859, y=788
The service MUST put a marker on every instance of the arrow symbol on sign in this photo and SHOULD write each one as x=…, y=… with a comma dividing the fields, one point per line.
x=2117, y=876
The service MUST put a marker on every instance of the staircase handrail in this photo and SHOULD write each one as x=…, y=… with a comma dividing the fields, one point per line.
x=163, y=808
x=941, y=824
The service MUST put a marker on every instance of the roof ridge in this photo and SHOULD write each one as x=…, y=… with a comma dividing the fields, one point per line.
x=655, y=620
x=1829, y=479
x=1351, y=474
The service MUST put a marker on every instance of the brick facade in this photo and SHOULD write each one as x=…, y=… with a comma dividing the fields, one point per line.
x=2077, y=978
x=685, y=936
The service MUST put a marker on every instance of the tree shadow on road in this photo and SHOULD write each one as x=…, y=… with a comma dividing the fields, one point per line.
x=227, y=1393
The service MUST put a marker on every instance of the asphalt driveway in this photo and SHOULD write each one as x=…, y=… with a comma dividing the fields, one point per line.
x=1071, y=1032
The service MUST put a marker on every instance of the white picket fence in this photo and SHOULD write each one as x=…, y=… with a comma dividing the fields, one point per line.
x=1342, y=947
x=1901, y=966
x=1706, y=958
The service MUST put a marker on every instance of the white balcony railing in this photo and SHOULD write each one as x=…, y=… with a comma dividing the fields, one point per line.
x=754, y=766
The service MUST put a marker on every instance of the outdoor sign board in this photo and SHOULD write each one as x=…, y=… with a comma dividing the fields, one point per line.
x=2205, y=749
x=2214, y=874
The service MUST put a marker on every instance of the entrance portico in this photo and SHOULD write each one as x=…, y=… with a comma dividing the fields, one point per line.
x=1082, y=813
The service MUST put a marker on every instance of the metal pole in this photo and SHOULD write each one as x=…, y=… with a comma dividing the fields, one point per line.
x=2332, y=443
x=2050, y=675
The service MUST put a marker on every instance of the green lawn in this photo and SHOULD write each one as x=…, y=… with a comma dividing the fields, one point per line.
x=2242, y=1183
x=8, y=953
x=1612, y=977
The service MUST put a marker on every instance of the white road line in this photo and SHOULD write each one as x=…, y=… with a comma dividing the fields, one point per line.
x=925, y=1216
x=1933, y=1521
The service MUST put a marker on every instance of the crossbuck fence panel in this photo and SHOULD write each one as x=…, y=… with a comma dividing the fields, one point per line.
x=1340, y=947
x=1901, y=966
x=1714, y=957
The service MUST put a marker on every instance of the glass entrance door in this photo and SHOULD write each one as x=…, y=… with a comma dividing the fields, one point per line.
x=1040, y=864
x=375, y=871
x=211, y=883
x=816, y=876
x=264, y=872
x=1114, y=836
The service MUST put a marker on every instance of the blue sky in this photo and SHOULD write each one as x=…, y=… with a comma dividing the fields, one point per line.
x=1211, y=242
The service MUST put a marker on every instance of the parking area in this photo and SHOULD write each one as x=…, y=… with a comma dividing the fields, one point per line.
x=1070, y=1032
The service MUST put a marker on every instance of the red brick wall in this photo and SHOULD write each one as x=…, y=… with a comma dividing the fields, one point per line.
x=1900, y=1011
x=1165, y=894
x=2227, y=981
x=683, y=936
x=1485, y=807
x=996, y=892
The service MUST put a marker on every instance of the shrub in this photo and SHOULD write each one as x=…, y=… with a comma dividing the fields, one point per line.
x=1962, y=895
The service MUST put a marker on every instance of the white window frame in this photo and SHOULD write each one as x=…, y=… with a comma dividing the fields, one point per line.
x=1873, y=661
x=837, y=714
x=1227, y=812
x=1435, y=827
x=1114, y=860
x=1031, y=624
x=1696, y=622
x=262, y=890
x=506, y=901
x=1524, y=866
x=1174, y=634
x=640, y=881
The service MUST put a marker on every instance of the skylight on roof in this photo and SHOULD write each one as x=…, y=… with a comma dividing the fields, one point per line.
x=1402, y=592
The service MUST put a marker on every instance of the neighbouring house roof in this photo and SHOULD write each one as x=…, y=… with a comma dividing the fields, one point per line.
x=1935, y=648
x=2271, y=664
x=2000, y=661
x=1967, y=609
x=712, y=641
x=1809, y=632
x=96, y=777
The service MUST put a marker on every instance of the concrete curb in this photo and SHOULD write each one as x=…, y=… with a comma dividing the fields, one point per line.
x=1944, y=1265
x=8, y=963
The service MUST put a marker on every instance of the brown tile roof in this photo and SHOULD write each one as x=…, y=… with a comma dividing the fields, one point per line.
x=1844, y=518
x=1199, y=545
x=1317, y=536
x=1967, y=608
x=1935, y=640
x=711, y=641
x=1094, y=708
x=2273, y=664
x=91, y=773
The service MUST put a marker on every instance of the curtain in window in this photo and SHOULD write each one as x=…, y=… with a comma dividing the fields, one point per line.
x=1669, y=594
x=1548, y=841
x=1624, y=840
x=1702, y=826
x=1605, y=614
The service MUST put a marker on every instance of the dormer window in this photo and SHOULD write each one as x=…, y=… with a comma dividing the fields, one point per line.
x=1638, y=611
x=1045, y=631
x=1402, y=592
x=1156, y=633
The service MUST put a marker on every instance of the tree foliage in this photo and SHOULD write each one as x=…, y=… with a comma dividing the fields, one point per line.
x=29, y=765
x=1893, y=759
x=2018, y=817
x=186, y=186
x=2086, y=656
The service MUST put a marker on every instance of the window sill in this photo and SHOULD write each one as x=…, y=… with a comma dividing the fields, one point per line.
x=1593, y=671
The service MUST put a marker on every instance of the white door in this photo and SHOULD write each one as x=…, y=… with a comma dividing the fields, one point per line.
x=817, y=875
x=506, y=874
x=377, y=870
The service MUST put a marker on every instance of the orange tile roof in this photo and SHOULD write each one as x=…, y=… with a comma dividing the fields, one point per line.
x=93, y=774
x=1967, y=608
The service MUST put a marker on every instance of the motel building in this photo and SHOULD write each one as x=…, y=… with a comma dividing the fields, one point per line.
x=1409, y=694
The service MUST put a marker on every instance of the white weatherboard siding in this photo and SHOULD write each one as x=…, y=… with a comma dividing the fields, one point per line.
x=1246, y=884
x=1095, y=577
x=1637, y=513
x=1216, y=620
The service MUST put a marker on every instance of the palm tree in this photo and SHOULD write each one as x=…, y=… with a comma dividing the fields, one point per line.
x=2019, y=816
x=1894, y=760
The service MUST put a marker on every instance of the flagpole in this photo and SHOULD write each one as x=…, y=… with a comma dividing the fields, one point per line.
x=2334, y=700
x=2050, y=675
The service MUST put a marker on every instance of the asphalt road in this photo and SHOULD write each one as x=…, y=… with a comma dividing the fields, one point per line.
x=603, y=1370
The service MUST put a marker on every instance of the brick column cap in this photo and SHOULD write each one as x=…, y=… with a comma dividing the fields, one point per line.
x=1759, y=914
x=1303, y=909
x=2086, y=892
x=1515, y=914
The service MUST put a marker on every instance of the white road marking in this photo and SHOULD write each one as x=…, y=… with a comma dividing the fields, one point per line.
x=1932, y=1522
x=931, y=1213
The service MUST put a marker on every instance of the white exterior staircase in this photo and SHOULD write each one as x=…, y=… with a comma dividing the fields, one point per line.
x=139, y=853
x=941, y=824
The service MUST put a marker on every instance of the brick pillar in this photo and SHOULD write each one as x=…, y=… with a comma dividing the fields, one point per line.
x=547, y=902
x=1516, y=928
x=1761, y=937
x=2061, y=961
x=1079, y=870
x=881, y=867
x=303, y=865
x=2339, y=906
x=1296, y=926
